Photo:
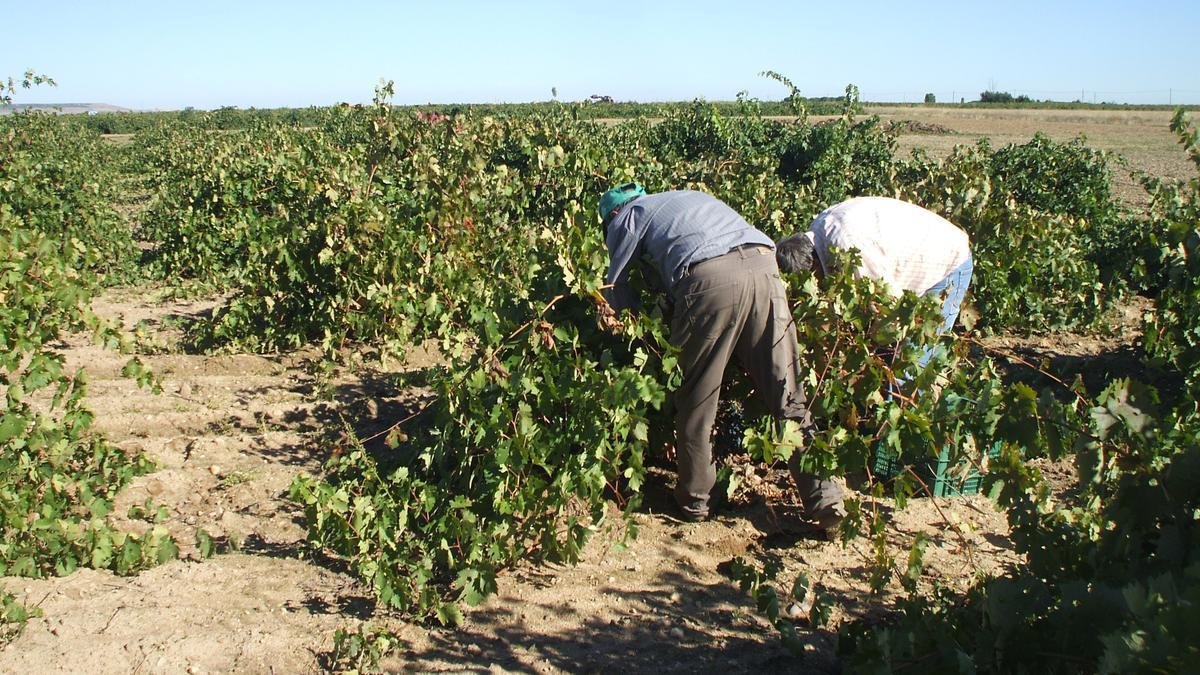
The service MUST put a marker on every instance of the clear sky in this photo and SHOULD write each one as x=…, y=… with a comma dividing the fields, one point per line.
x=167, y=55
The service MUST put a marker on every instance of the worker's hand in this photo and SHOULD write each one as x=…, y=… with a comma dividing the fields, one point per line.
x=666, y=308
x=607, y=319
x=606, y=316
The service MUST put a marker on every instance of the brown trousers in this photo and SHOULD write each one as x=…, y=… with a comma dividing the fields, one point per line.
x=735, y=306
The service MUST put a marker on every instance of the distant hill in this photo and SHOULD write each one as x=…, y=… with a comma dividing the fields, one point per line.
x=64, y=108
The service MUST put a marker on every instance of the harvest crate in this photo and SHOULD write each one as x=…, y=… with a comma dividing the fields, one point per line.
x=934, y=472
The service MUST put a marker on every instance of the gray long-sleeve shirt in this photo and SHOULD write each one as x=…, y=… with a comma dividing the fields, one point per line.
x=671, y=231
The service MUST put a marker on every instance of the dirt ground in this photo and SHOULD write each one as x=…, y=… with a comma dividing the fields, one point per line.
x=228, y=434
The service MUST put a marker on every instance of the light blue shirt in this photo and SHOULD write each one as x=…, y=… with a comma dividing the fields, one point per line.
x=671, y=231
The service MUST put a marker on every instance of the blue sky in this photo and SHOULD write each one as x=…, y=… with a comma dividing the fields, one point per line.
x=167, y=55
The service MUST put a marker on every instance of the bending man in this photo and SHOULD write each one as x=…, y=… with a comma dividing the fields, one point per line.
x=729, y=302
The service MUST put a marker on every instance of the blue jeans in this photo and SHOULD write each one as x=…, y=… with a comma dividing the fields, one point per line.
x=952, y=289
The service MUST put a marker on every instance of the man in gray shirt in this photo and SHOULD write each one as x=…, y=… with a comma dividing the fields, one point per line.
x=729, y=302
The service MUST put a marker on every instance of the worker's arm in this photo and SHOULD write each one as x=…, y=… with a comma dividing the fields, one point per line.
x=625, y=235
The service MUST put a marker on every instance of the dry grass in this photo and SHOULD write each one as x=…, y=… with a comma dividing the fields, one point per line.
x=1141, y=137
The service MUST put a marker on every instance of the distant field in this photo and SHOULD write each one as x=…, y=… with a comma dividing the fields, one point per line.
x=63, y=108
x=1141, y=136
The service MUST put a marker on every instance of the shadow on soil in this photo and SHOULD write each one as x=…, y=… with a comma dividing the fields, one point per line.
x=706, y=628
x=1096, y=371
x=194, y=333
x=364, y=409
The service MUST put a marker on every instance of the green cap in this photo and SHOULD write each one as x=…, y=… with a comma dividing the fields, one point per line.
x=611, y=200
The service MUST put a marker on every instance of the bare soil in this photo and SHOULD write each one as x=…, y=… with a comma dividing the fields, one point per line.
x=228, y=434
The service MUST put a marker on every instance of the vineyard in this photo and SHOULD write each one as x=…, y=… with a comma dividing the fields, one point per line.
x=344, y=373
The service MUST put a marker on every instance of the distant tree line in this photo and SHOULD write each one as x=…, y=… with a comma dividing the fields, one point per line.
x=229, y=118
x=1002, y=97
x=236, y=118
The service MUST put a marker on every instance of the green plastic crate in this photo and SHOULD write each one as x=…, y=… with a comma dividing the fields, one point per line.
x=889, y=464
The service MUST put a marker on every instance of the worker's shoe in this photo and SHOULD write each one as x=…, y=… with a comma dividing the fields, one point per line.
x=828, y=520
x=822, y=499
x=693, y=511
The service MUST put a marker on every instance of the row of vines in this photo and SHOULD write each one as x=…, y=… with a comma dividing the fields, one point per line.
x=61, y=240
x=372, y=225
